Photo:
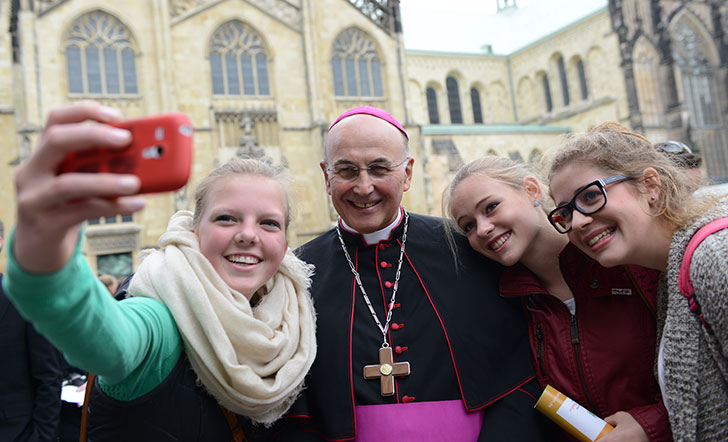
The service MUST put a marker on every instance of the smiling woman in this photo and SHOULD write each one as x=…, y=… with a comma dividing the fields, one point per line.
x=242, y=234
x=649, y=219
x=220, y=321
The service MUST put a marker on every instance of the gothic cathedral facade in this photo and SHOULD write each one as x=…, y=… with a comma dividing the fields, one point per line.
x=264, y=78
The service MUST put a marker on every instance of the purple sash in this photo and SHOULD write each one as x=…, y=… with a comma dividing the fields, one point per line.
x=418, y=422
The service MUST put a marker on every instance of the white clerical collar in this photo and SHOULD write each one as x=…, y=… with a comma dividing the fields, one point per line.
x=379, y=235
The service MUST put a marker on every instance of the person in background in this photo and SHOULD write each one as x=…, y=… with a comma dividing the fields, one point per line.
x=219, y=330
x=110, y=282
x=621, y=201
x=684, y=157
x=592, y=329
x=112, y=285
x=30, y=377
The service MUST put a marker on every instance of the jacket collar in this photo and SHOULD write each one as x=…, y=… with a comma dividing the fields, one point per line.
x=518, y=281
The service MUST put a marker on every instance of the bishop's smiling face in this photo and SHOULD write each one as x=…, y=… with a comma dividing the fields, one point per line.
x=242, y=231
x=367, y=203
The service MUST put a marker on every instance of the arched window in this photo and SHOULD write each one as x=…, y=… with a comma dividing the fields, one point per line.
x=100, y=58
x=564, y=81
x=547, y=93
x=238, y=61
x=356, y=67
x=477, y=110
x=453, y=100
x=582, y=79
x=699, y=63
x=650, y=96
x=432, y=111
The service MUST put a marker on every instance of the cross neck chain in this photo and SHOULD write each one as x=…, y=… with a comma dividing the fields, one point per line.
x=384, y=328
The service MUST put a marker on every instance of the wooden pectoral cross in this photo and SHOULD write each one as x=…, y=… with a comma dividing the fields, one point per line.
x=386, y=370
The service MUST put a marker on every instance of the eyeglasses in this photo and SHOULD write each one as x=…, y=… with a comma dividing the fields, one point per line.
x=673, y=147
x=378, y=170
x=588, y=200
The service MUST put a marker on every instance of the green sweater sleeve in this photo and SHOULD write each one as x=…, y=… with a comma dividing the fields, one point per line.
x=131, y=345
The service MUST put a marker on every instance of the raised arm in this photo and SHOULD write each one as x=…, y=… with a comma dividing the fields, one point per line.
x=51, y=207
x=135, y=342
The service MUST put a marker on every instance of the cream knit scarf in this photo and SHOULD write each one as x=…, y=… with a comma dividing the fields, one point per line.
x=252, y=360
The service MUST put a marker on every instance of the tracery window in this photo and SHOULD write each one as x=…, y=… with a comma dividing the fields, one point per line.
x=453, y=100
x=432, y=110
x=238, y=61
x=477, y=109
x=100, y=57
x=699, y=67
x=355, y=64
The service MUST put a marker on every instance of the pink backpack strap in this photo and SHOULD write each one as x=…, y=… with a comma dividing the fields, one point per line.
x=686, y=287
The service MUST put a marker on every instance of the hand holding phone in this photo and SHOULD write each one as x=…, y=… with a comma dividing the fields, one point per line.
x=160, y=153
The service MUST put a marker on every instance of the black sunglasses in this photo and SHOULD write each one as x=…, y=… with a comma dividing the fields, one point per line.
x=588, y=200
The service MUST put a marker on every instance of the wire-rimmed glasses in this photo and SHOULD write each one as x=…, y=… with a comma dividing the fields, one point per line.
x=376, y=170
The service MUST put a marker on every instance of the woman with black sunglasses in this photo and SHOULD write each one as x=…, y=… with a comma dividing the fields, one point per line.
x=570, y=301
x=647, y=216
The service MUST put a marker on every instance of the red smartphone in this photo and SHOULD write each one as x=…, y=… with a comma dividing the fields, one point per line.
x=160, y=153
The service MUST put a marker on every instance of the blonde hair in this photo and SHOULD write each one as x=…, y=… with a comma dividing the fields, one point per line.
x=498, y=168
x=615, y=149
x=242, y=167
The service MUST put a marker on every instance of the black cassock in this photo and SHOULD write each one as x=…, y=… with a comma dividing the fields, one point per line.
x=462, y=340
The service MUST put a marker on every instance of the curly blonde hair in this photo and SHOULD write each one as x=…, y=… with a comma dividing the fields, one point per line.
x=616, y=149
x=498, y=168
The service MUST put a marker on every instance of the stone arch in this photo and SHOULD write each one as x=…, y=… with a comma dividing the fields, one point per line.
x=499, y=108
x=477, y=101
x=646, y=66
x=417, y=101
x=559, y=79
x=579, y=79
x=456, y=105
x=697, y=76
x=525, y=98
x=434, y=90
x=599, y=72
x=546, y=95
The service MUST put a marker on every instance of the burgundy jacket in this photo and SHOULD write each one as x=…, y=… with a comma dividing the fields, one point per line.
x=602, y=357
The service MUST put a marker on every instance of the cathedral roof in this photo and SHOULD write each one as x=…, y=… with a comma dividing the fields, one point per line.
x=473, y=26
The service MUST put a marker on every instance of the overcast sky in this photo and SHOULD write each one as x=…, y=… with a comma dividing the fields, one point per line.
x=468, y=25
x=466, y=6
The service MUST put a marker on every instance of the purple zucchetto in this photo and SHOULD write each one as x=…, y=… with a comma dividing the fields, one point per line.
x=375, y=112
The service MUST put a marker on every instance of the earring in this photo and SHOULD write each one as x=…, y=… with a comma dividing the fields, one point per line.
x=536, y=204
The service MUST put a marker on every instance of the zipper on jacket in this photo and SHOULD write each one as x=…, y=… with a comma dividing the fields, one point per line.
x=539, y=351
x=575, y=343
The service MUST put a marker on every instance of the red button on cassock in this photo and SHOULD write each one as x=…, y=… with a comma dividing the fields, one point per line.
x=407, y=399
x=388, y=284
x=385, y=264
x=396, y=326
x=399, y=349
